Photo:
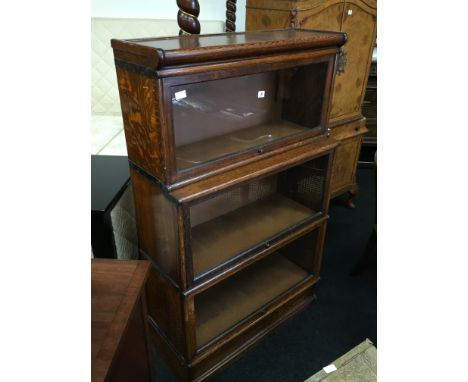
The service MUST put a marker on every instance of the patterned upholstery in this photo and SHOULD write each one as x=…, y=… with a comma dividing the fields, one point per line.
x=104, y=92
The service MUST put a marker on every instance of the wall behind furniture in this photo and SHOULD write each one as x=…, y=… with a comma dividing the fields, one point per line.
x=165, y=9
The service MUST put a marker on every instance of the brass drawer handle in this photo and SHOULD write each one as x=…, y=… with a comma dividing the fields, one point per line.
x=342, y=61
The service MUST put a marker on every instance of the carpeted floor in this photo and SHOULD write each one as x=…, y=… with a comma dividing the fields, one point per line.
x=344, y=314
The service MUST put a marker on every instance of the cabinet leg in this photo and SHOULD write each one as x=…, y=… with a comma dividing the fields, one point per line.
x=352, y=194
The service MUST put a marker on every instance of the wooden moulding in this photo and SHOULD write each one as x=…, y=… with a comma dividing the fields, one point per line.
x=284, y=158
x=155, y=53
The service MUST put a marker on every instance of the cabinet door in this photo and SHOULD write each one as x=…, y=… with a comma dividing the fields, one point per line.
x=326, y=15
x=264, y=15
x=344, y=168
x=343, y=176
x=359, y=22
x=358, y=19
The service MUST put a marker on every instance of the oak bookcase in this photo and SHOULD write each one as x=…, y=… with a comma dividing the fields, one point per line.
x=230, y=162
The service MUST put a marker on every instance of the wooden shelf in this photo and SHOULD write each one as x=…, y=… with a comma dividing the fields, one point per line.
x=221, y=307
x=224, y=237
x=234, y=142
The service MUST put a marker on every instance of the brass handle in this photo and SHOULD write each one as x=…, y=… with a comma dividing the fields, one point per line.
x=342, y=61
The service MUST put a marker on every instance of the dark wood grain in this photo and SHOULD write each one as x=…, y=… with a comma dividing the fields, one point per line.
x=187, y=16
x=231, y=15
x=118, y=320
x=166, y=309
x=157, y=221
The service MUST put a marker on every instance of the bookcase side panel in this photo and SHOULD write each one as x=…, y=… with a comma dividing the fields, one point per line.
x=157, y=225
x=140, y=102
x=166, y=311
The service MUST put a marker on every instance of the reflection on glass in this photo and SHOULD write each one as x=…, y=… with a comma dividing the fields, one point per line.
x=220, y=308
x=235, y=221
x=216, y=118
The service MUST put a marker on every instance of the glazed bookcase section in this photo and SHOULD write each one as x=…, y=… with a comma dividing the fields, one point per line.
x=195, y=105
x=222, y=314
x=210, y=229
x=264, y=213
x=247, y=295
x=218, y=118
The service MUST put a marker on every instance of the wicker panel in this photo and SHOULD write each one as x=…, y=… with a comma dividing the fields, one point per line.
x=305, y=184
x=232, y=200
x=124, y=227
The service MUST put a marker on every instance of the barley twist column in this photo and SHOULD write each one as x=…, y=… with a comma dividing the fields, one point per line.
x=231, y=15
x=187, y=17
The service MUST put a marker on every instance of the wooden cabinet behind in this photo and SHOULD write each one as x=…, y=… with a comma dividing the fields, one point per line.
x=358, y=19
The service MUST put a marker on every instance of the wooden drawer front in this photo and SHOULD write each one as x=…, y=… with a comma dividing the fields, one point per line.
x=344, y=166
